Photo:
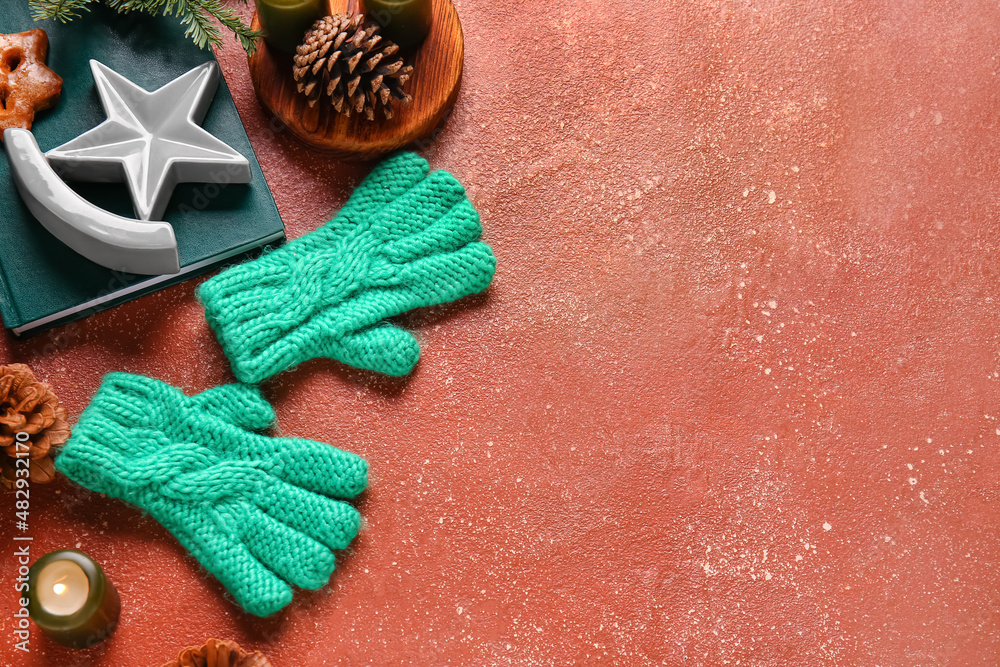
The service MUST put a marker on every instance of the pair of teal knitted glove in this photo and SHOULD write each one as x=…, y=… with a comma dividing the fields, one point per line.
x=404, y=240
x=261, y=513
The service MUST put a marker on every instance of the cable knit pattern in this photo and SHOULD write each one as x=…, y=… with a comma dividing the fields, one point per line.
x=256, y=512
x=404, y=240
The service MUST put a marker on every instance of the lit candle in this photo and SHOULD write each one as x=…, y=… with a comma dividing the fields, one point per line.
x=71, y=600
x=405, y=22
x=285, y=22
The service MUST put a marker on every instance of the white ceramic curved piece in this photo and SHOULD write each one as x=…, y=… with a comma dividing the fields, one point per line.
x=152, y=140
x=123, y=244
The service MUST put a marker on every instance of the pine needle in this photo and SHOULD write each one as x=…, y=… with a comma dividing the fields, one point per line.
x=60, y=10
x=199, y=17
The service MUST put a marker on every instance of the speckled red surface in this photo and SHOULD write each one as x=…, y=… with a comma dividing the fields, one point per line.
x=733, y=398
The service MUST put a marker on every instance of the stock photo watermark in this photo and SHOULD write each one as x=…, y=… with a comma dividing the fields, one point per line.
x=22, y=542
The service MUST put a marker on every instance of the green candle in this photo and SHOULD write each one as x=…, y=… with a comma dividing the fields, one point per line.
x=285, y=22
x=71, y=600
x=406, y=22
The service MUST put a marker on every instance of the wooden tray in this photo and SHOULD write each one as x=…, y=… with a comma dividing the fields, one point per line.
x=437, y=73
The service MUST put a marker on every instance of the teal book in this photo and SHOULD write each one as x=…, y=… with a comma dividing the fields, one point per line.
x=44, y=283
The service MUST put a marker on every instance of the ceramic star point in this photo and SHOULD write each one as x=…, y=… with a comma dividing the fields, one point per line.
x=152, y=140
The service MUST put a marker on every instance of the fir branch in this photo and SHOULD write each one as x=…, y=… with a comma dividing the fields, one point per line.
x=198, y=15
x=247, y=37
x=60, y=10
x=200, y=27
x=126, y=6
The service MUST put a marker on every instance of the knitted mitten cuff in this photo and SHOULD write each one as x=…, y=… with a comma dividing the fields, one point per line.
x=404, y=240
x=256, y=512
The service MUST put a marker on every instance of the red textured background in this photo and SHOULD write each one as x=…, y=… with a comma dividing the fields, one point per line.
x=733, y=398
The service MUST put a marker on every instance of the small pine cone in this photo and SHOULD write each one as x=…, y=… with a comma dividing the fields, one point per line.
x=347, y=59
x=29, y=406
x=218, y=653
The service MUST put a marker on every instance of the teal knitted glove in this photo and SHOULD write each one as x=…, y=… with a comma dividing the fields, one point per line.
x=253, y=510
x=404, y=240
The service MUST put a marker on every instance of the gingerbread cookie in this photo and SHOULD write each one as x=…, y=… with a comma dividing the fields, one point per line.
x=26, y=84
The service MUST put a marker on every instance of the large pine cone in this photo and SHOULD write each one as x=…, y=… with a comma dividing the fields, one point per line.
x=345, y=58
x=29, y=406
x=218, y=653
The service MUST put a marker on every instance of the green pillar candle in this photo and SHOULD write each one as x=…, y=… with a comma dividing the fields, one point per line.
x=71, y=600
x=405, y=22
x=285, y=22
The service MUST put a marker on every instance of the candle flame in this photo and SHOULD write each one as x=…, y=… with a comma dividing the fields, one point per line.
x=59, y=588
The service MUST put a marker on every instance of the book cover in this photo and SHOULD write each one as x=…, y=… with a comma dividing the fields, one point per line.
x=44, y=283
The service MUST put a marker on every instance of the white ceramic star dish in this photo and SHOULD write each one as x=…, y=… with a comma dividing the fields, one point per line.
x=152, y=140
